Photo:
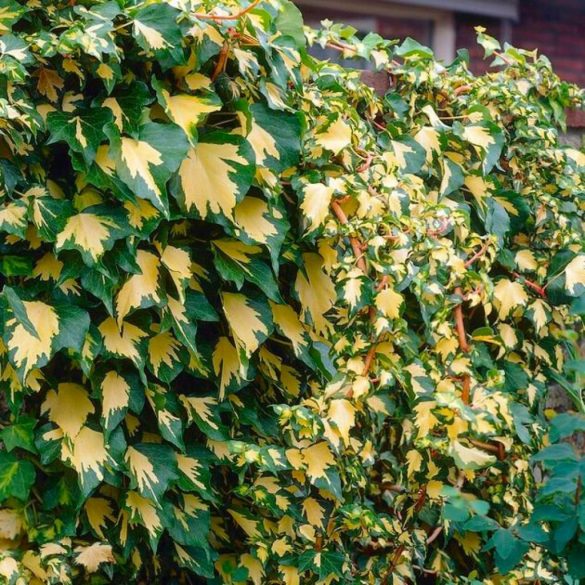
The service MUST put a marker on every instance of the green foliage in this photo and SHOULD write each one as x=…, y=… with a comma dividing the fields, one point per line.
x=260, y=324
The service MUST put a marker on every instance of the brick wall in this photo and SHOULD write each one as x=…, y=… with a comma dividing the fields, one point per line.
x=388, y=27
x=556, y=28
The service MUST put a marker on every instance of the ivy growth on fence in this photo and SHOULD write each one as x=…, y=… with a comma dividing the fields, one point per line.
x=260, y=324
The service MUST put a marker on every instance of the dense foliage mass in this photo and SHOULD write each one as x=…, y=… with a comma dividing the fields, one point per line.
x=260, y=324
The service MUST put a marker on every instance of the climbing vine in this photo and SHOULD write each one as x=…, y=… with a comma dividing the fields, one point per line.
x=261, y=324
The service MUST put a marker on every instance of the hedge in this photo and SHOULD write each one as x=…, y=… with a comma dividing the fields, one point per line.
x=260, y=324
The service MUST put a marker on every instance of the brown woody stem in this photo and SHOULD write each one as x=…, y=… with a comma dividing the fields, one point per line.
x=339, y=46
x=463, y=345
x=477, y=255
x=497, y=449
x=434, y=535
x=355, y=243
x=535, y=287
x=462, y=89
x=369, y=360
x=460, y=325
x=221, y=61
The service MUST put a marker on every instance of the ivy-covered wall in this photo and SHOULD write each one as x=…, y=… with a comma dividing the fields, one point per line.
x=262, y=324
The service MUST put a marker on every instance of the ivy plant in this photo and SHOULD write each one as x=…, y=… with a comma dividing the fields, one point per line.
x=261, y=324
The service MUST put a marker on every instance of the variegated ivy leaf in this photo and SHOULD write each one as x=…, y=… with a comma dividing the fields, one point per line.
x=509, y=295
x=407, y=154
x=229, y=365
x=17, y=475
x=354, y=291
x=318, y=462
x=151, y=468
x=82, y=129
x=215, y=175
x=91, y=32
x=68, y=407
x=188, y=521
x=88, y=454
x=178, y=264
x=142, y=511
x=34, y=331
x=274, y=136
x=452, y=178
x=470, y=457
x=14, y=218
x=93, y=556
x=180, y=318
x=193, y=467
x=487, y=139
x=389, y=303
x=238, y=262
x=127, y=103
x=92, y=232
x=10, y=13
x=156, y=30
x=204, y=412
x=188, y=111
x=575, y=276
x=147, y=161
x=166, y=408
x=141, y=290
x=260, y=222
x=287, y=322
x=166, y=356
x=15, y=55
x=334, y=135
x=316, y=292
x=250, y=321
x=124, y=340
x=49, y=214
x=119, y=392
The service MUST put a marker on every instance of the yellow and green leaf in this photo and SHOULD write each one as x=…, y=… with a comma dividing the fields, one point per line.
x=215, y=175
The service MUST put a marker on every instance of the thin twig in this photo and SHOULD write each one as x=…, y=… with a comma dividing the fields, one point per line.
x=462, y=89
x=379, y=126
x=339, y=46
x=366, y=164
x=460, y=325
x=477, y=255
x=434, y=535
x=221, y=61
x=369, y=359
x=383, y=283
x=463, y=345
x=355, y=243
x=497, y=449
x=535, y=287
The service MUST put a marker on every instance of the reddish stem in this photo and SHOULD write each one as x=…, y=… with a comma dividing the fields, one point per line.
x=434, y=535
x=460, y=325
x=463, y=345
x=497, y=449
x=477, y=255
x=355, y=243
x=366, y=164
x=369, y=360
x=462, y=89
x=383, y=282
x=535, y=287
x=221, y=61
x=466, y=389
x=339, y=46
